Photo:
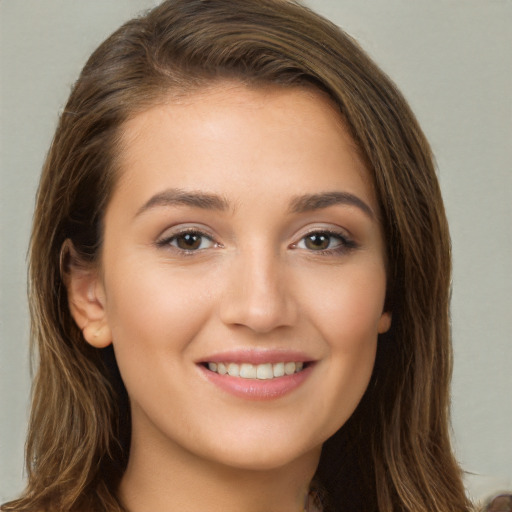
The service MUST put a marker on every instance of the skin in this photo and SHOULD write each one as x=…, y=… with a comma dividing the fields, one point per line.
x=256, y=282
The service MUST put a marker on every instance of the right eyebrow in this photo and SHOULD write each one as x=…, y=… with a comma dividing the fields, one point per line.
x=175, y=196
x=312, y=202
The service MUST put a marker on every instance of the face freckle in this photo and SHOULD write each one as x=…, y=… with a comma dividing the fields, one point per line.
x=243, y=235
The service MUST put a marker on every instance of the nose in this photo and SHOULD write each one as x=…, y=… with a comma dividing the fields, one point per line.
x=258, y=294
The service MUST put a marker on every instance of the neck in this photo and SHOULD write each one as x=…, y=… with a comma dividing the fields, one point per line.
x=165, y=477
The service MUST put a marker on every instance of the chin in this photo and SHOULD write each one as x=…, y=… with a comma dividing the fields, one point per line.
x=259, y=462
x=263, y=454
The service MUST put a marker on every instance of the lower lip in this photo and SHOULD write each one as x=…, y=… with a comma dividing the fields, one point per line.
x=256, y=389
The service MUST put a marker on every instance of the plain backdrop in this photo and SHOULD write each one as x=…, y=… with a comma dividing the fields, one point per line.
x=453, y=61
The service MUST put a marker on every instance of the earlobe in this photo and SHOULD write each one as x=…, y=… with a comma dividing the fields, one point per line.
x=98, y=336
x=86, y=299
x=384, y=322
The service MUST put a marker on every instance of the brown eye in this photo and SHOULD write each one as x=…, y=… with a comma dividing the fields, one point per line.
x=326, y=242
x=317, y=241
x=188, y=241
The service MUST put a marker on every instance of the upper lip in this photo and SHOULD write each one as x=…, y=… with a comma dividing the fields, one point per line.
x=252, y=356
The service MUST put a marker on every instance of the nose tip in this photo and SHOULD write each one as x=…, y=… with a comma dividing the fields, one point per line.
x=258, y=297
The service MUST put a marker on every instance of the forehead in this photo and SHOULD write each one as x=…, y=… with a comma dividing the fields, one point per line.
x=228, y=135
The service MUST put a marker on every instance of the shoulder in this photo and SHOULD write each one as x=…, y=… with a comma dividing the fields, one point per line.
x=499, y=503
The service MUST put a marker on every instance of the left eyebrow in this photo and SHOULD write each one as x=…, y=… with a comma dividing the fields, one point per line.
x=311, y=202
x=178, y=197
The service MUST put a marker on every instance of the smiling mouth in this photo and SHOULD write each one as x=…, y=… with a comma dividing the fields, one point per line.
x=265, y=371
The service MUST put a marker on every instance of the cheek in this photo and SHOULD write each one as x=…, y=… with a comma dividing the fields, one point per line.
x=155, y=317
x=155, y=308
x=348, y=318
x=347, y=305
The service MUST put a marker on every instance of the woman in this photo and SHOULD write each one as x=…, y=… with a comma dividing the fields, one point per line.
x=240, y=275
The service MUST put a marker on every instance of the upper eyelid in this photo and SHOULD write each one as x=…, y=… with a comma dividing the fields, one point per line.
x=174, y=231
x=332, y=234
x=328, y=232
x=331, y=230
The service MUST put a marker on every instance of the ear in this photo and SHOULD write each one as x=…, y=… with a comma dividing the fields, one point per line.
x=86, y=297
x=384, y=322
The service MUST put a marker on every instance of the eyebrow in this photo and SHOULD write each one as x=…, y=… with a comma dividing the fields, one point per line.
x=311, y=202
x=178, y=197
x=299, y=204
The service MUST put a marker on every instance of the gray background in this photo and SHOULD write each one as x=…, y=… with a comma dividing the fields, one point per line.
x=451, y=58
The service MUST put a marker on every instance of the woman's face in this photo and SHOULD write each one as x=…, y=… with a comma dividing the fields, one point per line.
x=243, y=236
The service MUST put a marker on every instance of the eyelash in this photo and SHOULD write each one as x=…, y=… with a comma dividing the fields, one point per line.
x=167, y=241
x=345, y=244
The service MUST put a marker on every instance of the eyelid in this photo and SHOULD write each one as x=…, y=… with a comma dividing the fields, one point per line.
x=324, y=228
x=302, y=242
x=185, y=227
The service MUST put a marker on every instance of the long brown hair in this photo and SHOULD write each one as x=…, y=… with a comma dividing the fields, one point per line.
x=394, y=453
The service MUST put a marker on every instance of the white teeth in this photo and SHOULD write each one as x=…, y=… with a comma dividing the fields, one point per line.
x=256, y=371
x=248, y=371
x=233, y=369
x=289, y=368
x=264, y=371
x=278, y=369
